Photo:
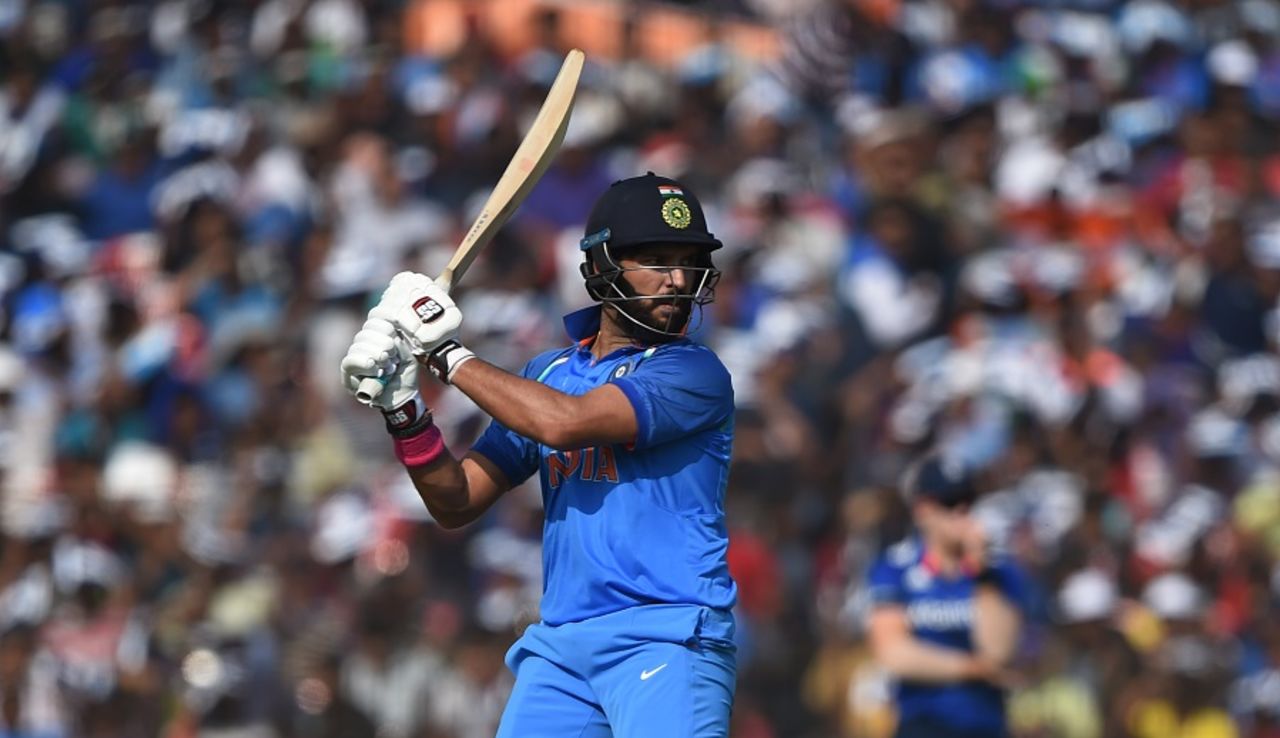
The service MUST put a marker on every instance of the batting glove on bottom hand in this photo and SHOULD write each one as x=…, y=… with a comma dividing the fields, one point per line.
x=377, y=351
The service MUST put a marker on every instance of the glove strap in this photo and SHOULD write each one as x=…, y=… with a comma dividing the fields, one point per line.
x=407, y=419
x=445, y=360
x=417, y=440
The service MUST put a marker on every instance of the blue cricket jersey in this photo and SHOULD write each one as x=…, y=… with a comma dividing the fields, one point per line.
x=940, y=611
x=634, y=524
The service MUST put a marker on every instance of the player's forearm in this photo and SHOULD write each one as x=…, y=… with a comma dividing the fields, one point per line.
x=529, y=408
x=914, y=660
x=442, y=485
x=996, y=625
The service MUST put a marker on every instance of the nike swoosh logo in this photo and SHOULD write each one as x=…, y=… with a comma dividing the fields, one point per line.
x=650, y=672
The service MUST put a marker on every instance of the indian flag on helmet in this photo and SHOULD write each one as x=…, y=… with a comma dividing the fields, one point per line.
x=669, y=191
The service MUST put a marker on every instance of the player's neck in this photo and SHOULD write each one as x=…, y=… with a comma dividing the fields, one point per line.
x=610, y=338
x=943, y=559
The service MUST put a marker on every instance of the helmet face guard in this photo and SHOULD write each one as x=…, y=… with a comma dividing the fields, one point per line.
x=606, y=283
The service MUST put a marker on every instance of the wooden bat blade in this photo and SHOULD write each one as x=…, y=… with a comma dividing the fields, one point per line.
x=531, y=160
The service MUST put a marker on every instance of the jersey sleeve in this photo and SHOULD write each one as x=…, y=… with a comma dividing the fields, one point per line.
x=677, y=392
x=1012, y=583
x=511, y=452
x=884, y=584
x=514, y=454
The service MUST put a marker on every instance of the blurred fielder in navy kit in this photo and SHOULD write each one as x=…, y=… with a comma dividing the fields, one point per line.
x=945, y=618
x=630, y=429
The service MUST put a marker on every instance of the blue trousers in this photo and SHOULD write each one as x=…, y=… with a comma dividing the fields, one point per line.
x=654, y=670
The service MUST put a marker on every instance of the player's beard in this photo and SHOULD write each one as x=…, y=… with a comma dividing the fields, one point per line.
x=650, y=322
x=665, y=314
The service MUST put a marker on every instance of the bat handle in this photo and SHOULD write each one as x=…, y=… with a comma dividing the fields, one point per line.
x=370, y=388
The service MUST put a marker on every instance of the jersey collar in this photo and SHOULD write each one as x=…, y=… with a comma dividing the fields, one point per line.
x=932, y=563
x=583, y=324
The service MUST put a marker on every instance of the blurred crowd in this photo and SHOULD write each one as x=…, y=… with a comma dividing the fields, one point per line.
x=1043, y=236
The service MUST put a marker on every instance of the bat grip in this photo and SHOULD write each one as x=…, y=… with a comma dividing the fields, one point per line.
x=370, y=388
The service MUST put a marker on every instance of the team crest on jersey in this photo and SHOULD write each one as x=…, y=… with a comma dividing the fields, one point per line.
x=428, y=309
x=676, y=213
x=621, y=371
x=917, y=578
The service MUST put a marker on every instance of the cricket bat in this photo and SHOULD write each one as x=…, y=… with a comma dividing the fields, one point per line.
x=531, y=160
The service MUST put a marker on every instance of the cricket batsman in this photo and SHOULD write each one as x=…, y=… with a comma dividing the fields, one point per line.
x=630, y=429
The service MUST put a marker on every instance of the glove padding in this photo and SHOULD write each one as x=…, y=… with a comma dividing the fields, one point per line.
x=421, y=310
x=378, y=351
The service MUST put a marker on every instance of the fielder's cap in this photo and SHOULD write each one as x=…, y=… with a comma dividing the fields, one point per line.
x=941, y=480
x=645, y=210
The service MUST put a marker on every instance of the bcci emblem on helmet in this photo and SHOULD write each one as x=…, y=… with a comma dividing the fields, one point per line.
x=428, y=309
x=676, y=213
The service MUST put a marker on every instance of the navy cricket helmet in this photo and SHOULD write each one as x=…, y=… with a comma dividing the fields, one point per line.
x=640, y=211
x=647, y=209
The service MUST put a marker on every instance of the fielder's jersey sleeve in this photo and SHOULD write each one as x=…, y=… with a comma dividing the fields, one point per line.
x=1012, y=583
x=515, y=455
x=884, y=584
x=681, y=390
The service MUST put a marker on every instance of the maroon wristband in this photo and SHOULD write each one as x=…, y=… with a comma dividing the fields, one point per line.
x=421, y=449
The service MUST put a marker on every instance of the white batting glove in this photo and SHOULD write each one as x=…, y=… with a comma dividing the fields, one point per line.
x=428, y=319
x=421, y=310
x=378, y=351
